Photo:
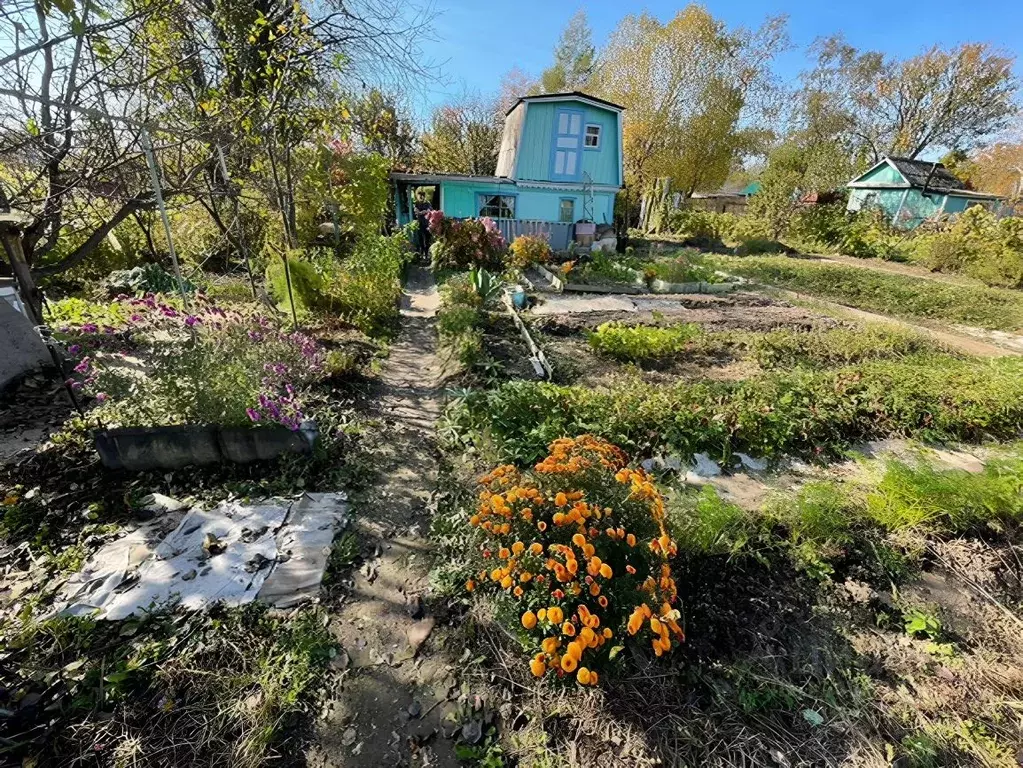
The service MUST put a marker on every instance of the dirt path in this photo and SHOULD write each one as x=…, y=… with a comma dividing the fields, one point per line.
x=956, y=341
x=392, y=684
x=897, y=268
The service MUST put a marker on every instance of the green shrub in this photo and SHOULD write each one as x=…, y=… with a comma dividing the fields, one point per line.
x=465, y=243
x=307, y=287
x=949, y=501
x=898, y=295
x=784, y=348
x=602, y=269
x=686, y=267
x=150, y=278
x=640, y=343
x=869, y=235
x=756, y=245
x=803, y=412
x=456, y=320
x=978, y=245
x=696, y=223
x=819, y=227
x=365, y=288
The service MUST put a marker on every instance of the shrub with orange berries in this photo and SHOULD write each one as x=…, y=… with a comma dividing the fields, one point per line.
x=578, y=552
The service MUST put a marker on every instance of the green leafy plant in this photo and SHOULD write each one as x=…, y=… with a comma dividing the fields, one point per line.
x=485, y=285
x=642, y=343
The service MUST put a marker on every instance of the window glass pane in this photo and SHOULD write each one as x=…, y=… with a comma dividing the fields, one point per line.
x=592, y=135
x=497, y=206
x=576, y=124
x=567, y=211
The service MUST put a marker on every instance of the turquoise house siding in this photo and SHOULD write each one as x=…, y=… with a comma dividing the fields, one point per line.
x=533, y=162
x=910, y=192
x=461, y=200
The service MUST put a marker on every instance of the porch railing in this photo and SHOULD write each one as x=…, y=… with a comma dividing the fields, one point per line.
x=558, y=233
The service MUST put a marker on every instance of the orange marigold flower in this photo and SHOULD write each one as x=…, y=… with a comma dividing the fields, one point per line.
x=536, y=548
x=594, y=589
x=550, y=645
x=568, y=629
x=504, y=553
x=525, y=577
x=496, y=574
x=583, y=676
x=572, y=566
x=529, y=619
x=602, y=601
x=575, y=650
x=518, y=548
x=605, y=571
x=630, y=569
x=537, y=667
x=608, y=634
x=474, y=520
x=631, y=540
x=655, y=625
x=541, y=614
x=555, y=615
x=561, y=499
x=470, y=585
x=568, y=663
x=506, y=582
x=517, y=592
x=579, y=540
x=594, y=678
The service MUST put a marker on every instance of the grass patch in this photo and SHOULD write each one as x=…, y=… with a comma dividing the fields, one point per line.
x=897, y=295
x=951, y=501
x=803, y=412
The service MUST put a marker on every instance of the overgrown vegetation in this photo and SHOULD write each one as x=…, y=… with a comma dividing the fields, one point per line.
x=897, y=295
x=225, y=687
x=804, y=411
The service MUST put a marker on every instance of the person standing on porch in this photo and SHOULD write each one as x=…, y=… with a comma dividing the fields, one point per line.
x=422, y=207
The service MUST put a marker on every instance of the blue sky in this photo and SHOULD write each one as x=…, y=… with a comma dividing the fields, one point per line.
x=477, y=46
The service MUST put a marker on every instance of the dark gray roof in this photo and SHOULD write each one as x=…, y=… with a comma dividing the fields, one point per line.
x=918, y=171
x=556, y=96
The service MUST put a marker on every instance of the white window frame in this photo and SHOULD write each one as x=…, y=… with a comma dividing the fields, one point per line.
x=587, y=135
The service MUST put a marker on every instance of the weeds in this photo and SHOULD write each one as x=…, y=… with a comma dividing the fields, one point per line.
x=953, y=501
x=187, y=688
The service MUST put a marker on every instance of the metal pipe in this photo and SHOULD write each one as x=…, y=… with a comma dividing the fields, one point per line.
x=154, y=177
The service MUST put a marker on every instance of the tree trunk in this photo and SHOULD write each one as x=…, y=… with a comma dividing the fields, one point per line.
x=23, y=274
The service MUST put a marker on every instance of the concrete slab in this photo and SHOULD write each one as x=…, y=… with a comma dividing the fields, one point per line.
x=569, y=305
x=23, y=350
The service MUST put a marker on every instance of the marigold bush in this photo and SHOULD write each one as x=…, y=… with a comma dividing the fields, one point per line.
x=578, y=554
x=527, y=250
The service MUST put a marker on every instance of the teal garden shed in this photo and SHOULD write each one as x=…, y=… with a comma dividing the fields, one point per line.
x=560, y=163
x=912, y=191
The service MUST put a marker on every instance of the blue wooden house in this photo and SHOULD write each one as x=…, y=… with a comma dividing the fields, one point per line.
x=912, y=191
x=560, y=163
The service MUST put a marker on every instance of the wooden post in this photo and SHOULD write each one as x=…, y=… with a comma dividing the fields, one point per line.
x=10, y=233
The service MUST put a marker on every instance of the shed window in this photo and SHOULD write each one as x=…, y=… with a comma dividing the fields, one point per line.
x=566, y=211
x=592, y=140
x=497, y=206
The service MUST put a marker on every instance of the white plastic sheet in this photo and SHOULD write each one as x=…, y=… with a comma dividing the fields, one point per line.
x=224, y=555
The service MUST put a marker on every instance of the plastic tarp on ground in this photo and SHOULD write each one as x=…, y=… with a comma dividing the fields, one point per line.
x=275, y=551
